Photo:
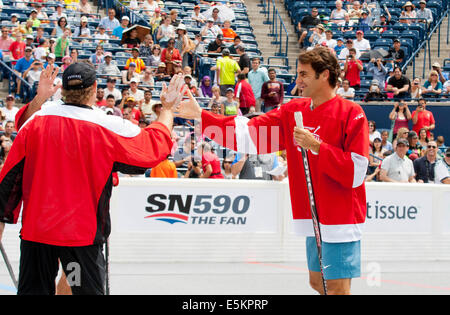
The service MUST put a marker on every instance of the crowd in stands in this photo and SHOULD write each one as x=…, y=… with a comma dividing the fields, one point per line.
x=132, y=66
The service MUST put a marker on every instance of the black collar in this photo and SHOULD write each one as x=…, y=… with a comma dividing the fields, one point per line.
x=79, y=105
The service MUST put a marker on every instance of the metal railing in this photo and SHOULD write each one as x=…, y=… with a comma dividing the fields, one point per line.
x=277, y=28
x=12, y=76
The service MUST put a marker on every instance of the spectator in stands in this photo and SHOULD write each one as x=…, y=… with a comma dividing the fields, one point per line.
x=402, y=133
x=423, y=118
x=236, y=42
x=110, y=106
x=82, y=30
x=355, y=11
x=206, y=87
x=10, y=110
x=272, y=92
x=200, y=44
x=226, y=69
x=160, y=74
x=426, y=169
x=128, y=115
x=155, y=58
x=345, y=51
x=23, y=64
x=169, y=56
x=108, y=67
x=84, y=7
x=362, y=44
x=309, y=21
x=217, y=45
x=210, y=162
x=101, y=36
x=396, y=53
x=117, y=32
x=199, y=18
x=228, y=33
x=166, y=31
x=400, y=116
x=132, y=41
x=352, y=69
x=62, y=45
x=8, y=133
x=100, y=101
x=432, y=87
x=110, y=22
x=339, y=46
x=188, y=71
x=415, y=148
x=226, y=167
x=347, y=25
x=39, y=35
x=437, y=67
x=5, y=148
x=50, y=60
x=111, y=89
x=134, y=92
x=385, y=20
x=149, y=7
x=17, y=48
x=34, y=19
x=5, y=39
x=423, y=14
x=217, y=18
x=317, y=37
x=408, y=14
x=188, y=82
x=210, y=30
x=99, y=57
x=14, y=20
x=174, y=18
x=217, y=98
x=376, y=155
x=145, y=49
x=397, y=168
x=337, y=15
x=229, y=106
x=385, y=144
x=146, y=77
x=59, y=13
x=147, y=104
x=447, y=88
x=373, y=132
x=60, y=27
x=365, y=20
x=155, y=21
x=244, y=94
x=399, y=85
x=42, y=50
x=140, y=64
x=330, y=42
x=129, y=73
x=374, y=94
x=378, y=71
x=66, y=61
x=423, y=139
x=184, y=44
x=256, y=77
x=416, y=88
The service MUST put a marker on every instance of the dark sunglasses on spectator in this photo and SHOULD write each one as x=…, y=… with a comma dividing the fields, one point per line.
x=432, y=147
x=228, y=162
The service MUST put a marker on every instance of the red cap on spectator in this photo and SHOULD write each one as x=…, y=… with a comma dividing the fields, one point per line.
x=360, y=32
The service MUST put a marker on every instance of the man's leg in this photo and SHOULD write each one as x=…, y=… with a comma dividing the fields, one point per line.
x=85, y=269
x=38, y=269
x=341, y=263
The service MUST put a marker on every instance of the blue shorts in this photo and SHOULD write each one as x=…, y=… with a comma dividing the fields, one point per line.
x=340, y=260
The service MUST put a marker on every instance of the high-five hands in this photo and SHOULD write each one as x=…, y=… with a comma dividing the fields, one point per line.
x=172, y=95
x=189, y=108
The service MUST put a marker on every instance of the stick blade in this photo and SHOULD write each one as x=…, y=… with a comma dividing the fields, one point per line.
x=298, y=119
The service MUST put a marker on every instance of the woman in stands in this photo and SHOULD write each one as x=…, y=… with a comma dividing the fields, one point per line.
x=82, y=30
x=401, y=115
x=133, y=40
x=182, y=44
x=402, y=133
x=432, y=87
x=127, y=75
x=60, y=26
x=416, y=89
x=169, y=55
x=210, y=162
x=373, y=132
x=423, y=138
x=407, y=16
x=74, y=55
x=155, y=58
x=415, y=148
x=166, y=31
x=376, y=155
x=206, y=87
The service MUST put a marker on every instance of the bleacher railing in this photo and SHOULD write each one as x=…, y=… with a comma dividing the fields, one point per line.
x=277, y=28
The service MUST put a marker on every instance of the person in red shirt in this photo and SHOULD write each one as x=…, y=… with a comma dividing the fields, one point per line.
x=100, y=98
x=17, y=47
x=244, y=93
x=272, y=92
x=422, y=118
x=352, y=68
x=210, y=162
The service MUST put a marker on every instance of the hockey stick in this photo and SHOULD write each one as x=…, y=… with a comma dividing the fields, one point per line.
x=8, y=265
x=107, y=290
x=312, y=202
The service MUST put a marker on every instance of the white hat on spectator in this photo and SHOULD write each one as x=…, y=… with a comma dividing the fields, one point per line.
x=125, y=18
x=84, y=19
x=134, y=79
x=51, y=55
x=436, y=64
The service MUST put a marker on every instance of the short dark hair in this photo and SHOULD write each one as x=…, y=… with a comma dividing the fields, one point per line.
x=321, y=59
x=111, y=96
x=271, y=70
x=241, y=76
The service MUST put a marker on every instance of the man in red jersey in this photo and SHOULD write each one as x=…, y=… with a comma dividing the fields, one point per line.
x=335, y=136
x=60, y=169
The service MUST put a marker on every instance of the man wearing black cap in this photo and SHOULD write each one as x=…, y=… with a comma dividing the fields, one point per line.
x=60, y=168
x=217, y=45
x=396, y=53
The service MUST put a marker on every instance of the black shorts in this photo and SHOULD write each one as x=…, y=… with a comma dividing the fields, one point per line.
x=84, y=268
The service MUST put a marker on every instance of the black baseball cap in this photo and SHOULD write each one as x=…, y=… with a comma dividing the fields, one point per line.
x=79, y=71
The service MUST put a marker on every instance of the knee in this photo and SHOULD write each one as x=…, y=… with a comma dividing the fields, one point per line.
x=316, y=285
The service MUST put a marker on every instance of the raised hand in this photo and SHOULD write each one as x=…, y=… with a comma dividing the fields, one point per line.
x=189, y=108
x=172, y=95
x=46, y=89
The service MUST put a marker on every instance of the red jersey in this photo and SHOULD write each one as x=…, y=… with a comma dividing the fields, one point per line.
x=244, y=93
x=424, y=119
x=209, y=158
x=60, y=169
x=338, y=170
x=17, y=50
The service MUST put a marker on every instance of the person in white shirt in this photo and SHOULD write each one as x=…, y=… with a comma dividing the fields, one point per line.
x=111, y=89
x=84, y=7
x=10, y=110
x=134, y=92
x=101, y=36
x=58, y=14
x=397, y=167
x=198, y=17
x=33, y=73
x=346, y=91
x=210, y=31
x=149, y=6
x=361, y=43
x=329, y=41
x=345, y=52
x=338, y=14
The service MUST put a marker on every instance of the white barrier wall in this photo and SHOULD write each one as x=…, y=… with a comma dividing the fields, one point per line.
x=182, y=220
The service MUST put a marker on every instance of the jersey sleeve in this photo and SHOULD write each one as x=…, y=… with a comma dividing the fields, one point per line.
x=259, y=135
x=348, y=165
